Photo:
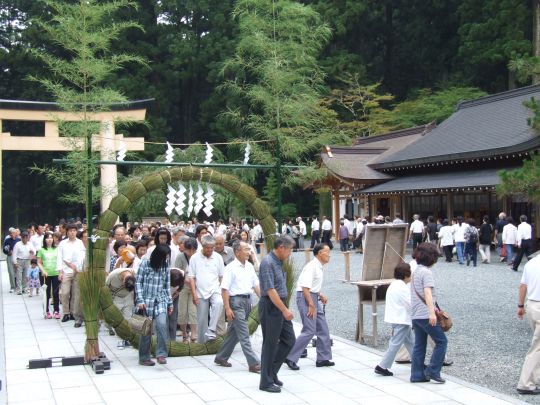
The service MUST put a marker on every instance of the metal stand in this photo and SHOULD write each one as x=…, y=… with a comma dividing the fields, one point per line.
x=99, y=365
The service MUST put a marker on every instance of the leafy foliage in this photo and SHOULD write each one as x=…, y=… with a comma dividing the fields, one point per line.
x=273, y=81
x=525, y=180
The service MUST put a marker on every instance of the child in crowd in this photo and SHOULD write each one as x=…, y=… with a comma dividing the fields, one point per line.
x=32, y=277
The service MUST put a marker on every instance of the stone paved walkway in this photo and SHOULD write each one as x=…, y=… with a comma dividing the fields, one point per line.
x=194, y=380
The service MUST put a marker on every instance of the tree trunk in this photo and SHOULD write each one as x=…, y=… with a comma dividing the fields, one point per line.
x=536, y=36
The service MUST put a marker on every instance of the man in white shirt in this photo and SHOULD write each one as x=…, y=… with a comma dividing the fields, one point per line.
x=70, y=260
x=308, y=295
x=416, y=233
x=327, y=232
x=258, y=234
x=205, y=271
x=239, y=280
x=23, y=251
x=37, y=238
x=524, y=241
x=530, y=288
x=315, y=231
x=303, y=232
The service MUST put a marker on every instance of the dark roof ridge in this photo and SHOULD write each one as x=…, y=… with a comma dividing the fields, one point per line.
x=351, y=150
x=52, y=106
x=396, y=134
x=499, y=96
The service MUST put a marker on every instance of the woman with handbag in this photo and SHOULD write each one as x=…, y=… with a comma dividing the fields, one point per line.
x=153, y=298
x=424, y=318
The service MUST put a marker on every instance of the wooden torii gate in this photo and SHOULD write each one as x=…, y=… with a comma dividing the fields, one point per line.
x=107, y=142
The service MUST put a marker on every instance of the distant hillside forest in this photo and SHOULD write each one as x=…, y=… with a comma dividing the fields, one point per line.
x=372, y=65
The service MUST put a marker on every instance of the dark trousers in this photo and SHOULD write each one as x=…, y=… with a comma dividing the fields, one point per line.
x=470, y=252
x=53, y=287
x=344, y=244
x=326, y=235
x=172, y=320
x=278, y=340
x=315, y=238
x=416, y=239
x=448, y=252
x=525, y=249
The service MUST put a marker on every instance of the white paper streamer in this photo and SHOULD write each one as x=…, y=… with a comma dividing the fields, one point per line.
x=246, y=154
x=190, y=201
x=180, y=197
x=199, y=200
x=209, y=154
x=171, y=200
x=169, y=153
x=209, y=197
x=121, y=153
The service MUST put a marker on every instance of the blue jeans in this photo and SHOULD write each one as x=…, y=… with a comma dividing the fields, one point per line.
x=422, y=329
x=162, y=333
x=460, y=248
x=509, y=253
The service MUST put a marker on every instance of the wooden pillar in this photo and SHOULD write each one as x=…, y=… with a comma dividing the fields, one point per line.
x=109, y=178
x=450, y=207
x=347, y=256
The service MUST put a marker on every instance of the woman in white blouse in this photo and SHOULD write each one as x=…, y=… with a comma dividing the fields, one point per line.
x=398, y=313
x=509, y=239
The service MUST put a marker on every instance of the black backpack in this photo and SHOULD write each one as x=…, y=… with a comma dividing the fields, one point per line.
x=473, y=236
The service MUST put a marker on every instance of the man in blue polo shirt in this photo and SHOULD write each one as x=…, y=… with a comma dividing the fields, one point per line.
x=275, y=317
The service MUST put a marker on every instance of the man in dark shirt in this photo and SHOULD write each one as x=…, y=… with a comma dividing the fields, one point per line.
x=9, y=243
x=275, y=317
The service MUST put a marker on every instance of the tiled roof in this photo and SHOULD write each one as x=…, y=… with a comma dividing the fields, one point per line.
x=352, y=164
x=489, y=126
x=451, y=181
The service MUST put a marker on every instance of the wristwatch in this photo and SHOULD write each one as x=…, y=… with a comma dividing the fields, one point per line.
x=521, y=306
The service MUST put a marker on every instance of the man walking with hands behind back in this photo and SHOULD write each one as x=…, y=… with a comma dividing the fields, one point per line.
x=275, y=317
x=308, y=295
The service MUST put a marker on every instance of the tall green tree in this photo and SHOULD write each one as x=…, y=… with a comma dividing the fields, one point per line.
x=84, y=31
x=491, y=32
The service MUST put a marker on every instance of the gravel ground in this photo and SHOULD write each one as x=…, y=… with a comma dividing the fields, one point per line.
x=487, y=343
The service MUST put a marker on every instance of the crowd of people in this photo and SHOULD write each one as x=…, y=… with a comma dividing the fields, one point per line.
x=198, y=281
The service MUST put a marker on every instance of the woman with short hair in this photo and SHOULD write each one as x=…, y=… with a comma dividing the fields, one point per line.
x=424, y=318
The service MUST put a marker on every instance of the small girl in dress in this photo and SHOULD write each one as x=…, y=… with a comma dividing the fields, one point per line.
x=32, y=277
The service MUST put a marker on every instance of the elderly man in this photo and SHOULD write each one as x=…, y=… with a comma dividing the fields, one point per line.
x=226, y=252
x=308, y=295
x=239, y=280
x=530, y=288
x=9, y=244
x=23, y=251
x=205, y=272
x=275, y=317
